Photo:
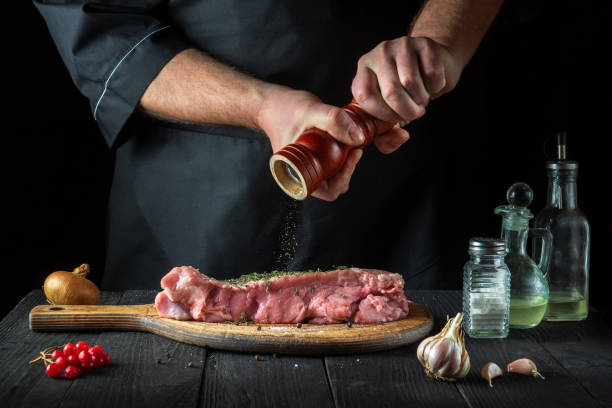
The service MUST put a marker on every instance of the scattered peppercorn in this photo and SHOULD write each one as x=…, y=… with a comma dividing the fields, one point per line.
x=299, y=325
x=190, y=364
x=167, y=355
x=158, y=360
x=258, y=328
x=274, y=355
x=257, y=357
x=350, y=324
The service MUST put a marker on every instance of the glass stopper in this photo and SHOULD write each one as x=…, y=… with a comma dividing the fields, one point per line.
x=519, y=195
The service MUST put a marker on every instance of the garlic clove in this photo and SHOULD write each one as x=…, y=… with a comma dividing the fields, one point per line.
x=443, y=355
x=489, y=371
x=524, y=366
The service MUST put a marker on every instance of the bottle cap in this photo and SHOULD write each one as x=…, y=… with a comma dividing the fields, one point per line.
x=487, y=246
x=519, y=196
x=562, y=165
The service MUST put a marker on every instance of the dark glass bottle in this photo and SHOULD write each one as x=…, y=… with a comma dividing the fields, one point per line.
x=568, y=272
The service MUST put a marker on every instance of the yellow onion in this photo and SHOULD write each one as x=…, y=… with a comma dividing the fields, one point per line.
x=71, y=288
x=443, y=355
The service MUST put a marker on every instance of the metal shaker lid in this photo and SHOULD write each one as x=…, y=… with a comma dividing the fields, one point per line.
x=487, y=246
x=562, y=165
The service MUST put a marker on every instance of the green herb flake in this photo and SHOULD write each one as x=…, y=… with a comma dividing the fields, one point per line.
x=342, y=295
x=296, y=293
x=243, y=318
x=312, y=289
x=267, y=286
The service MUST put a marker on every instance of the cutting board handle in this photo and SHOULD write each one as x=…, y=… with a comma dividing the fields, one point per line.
x=90, y=317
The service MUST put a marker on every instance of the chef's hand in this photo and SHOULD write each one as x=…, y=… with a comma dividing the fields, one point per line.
x=397, y=79
x=286, y=113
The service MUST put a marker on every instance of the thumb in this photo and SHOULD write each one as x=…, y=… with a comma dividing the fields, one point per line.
x=337, y=123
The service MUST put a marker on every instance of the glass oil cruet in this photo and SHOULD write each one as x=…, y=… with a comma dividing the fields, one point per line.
x=528, y=285
x=568, y=274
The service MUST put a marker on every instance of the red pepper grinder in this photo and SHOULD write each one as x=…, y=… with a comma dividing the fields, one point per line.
x=300, y=167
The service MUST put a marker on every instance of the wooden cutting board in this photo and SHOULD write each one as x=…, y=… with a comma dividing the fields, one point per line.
x=312, y=339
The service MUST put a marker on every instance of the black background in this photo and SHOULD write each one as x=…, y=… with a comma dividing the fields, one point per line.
x=543, y=67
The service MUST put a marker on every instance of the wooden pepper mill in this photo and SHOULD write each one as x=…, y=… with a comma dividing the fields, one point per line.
x=300, y=167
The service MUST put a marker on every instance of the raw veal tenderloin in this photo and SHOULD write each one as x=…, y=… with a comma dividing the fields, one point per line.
x=341, y=295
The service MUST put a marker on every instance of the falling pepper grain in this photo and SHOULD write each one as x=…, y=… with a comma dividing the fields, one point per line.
x=287, y=241
x=299, y=325
x=257, y=357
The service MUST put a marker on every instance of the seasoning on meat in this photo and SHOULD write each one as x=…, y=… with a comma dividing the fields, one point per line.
x=350, y=294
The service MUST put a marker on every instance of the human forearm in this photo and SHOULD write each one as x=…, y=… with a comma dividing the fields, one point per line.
x=194, y=87
x=458, y=25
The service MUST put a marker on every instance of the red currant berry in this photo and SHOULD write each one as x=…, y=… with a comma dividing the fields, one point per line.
x=69, y=349
x=73, y=360
x=98, y=349
x=72, y=372
x=53, y=370
x=106, y=359
x=84, y=357
x=87, y=366
x=97, y=360
x=62, y=362
x=81, y=345
x=56, y=354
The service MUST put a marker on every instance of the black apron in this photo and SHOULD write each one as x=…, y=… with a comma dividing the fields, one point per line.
x=203, y=195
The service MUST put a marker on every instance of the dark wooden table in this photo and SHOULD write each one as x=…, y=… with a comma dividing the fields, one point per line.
x=575, y=358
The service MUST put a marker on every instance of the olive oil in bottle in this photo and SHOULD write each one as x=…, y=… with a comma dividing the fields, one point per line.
x=526, y=311
x=566, y=307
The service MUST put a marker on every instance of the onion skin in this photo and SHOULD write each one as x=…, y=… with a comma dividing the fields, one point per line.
x=71, y=288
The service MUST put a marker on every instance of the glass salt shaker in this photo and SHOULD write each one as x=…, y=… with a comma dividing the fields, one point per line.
x=486, y=289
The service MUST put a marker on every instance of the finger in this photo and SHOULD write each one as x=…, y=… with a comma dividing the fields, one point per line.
x=392, y=140
x=336, y=122
x=330, y=189
x=394, y=93
x=432, y=65
x=367, y=93
x=409, y=74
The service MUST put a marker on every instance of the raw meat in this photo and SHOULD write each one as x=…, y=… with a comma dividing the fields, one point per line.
x=351, y=294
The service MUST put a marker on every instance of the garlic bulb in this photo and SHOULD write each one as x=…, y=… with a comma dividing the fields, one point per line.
x=443, y=355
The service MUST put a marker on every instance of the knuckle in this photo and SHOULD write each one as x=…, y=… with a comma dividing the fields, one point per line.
x=390, y=92
x=362, y=61
x=384, y=47
x=360, y=92
x=418, y=111
x=408, y=81
x=334, y=116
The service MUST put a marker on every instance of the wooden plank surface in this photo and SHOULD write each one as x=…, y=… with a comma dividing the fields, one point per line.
x=135, y=378
x=584, y=349
x=559, y=389
x=27, y=385
x=393, y=378
x=574, y=357
x=308, y=339
x=239, y=380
